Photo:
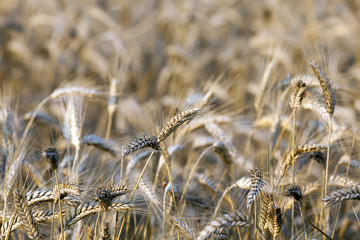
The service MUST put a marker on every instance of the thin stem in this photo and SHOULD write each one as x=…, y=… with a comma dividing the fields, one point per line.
x=122, y=225
x=327, y=159
x=356, y=216
x=141, y=174
x=74, y=168
x=293, y=172
x=52, y=222
x=108, y=128
x=58, y=193
x=324, y=234
x=192, y=173
x=303, y=220
x=96, y=222
x=280, y=135
x=168, y=169
x=32, y=118
x=136, y=186
x=255, y=219
x=327, y=167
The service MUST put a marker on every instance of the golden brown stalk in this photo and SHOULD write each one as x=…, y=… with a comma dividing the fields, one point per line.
x=24, y=212
x=329, y=97
x=176, y=122
x=90, y=233
x=135, y=159
x=166, y=157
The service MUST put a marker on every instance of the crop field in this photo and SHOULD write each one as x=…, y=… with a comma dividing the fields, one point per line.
x=174, y=119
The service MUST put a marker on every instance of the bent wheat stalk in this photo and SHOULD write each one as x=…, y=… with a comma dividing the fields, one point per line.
x=329, y=97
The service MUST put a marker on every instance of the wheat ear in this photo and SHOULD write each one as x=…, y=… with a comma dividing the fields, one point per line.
x=99, y=143
x=256, y=185
x=327, y=91
x=24, y=212
x=89, y=208
x=347, y=193
x=183, y=227
x=225, y=222
x=139, y=143
x=176, y=122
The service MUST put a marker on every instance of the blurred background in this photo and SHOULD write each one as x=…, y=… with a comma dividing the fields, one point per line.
x=168, y=45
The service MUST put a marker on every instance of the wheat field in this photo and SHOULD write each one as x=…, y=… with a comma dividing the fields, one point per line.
x=204, y=119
